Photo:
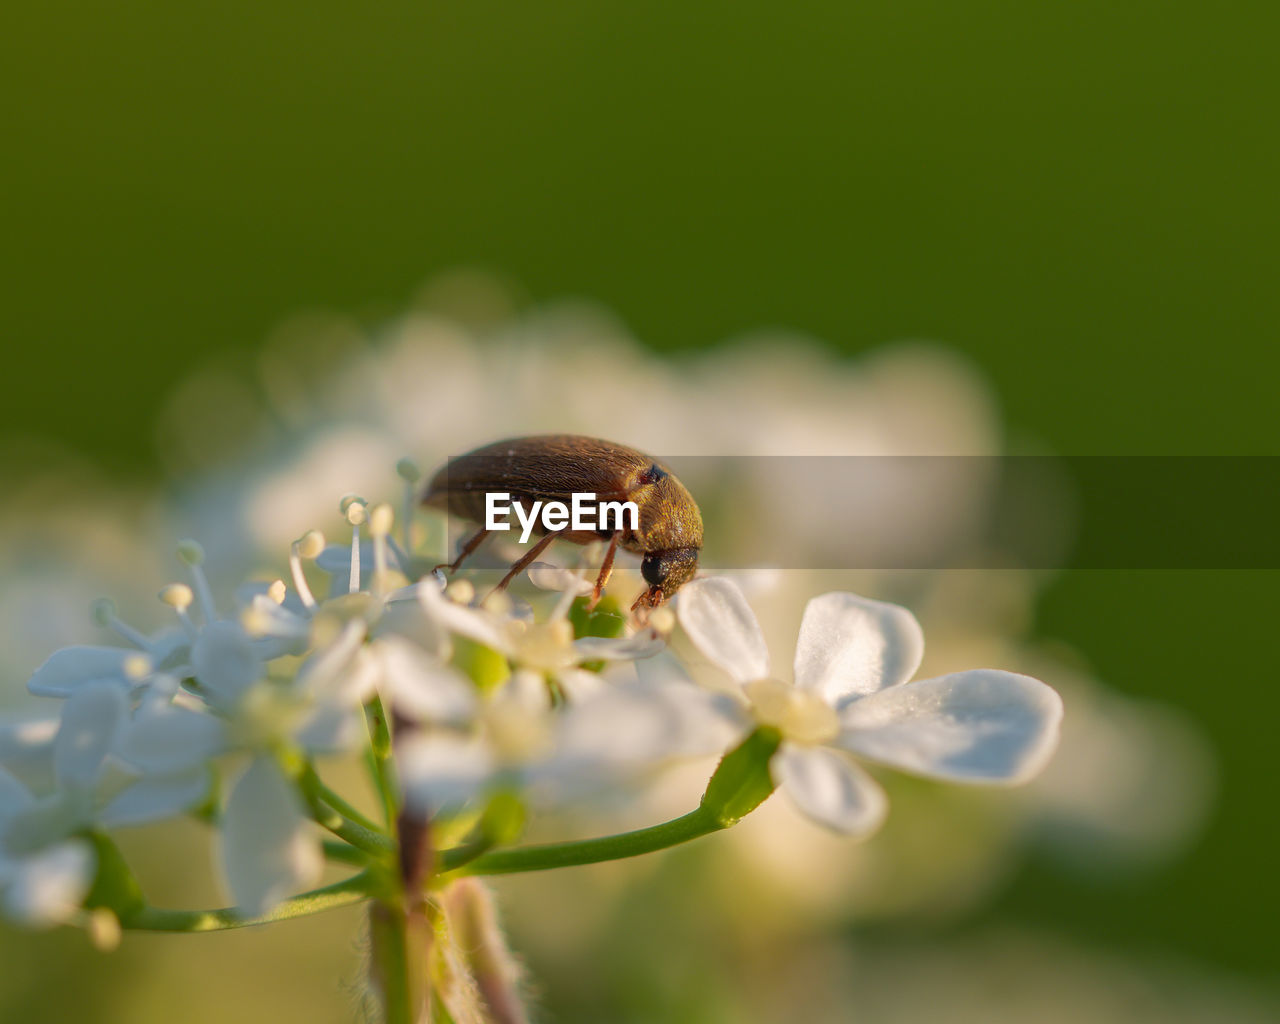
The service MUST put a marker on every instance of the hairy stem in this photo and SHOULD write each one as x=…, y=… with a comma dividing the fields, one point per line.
x=397, y=963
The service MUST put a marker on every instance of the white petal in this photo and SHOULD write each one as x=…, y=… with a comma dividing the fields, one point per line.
x=225, y=661
x=979, y=726
x=172, y=739
x=409, y=619
x=247, y=594
x=525, y=690
x=441, y=771
x=332, y=729
x=473, y=623
x=420, y=686
x=169, y=647
x=644, y=644
x=411, y=591
x=722, y=625
x=578, y=684
x=546, y=576
x=67, y=670
x=268, y=847
x=850, y=646
x=339, y=668
x=91, y=723
x=156, y=798
x=830, y=789
x=26, y=749
x=47, y=888
x=664, y=667
x=48, y=819
x=13, y=796
x=640, y=725
x=286, y=630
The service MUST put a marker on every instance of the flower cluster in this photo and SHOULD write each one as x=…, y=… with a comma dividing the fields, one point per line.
x=472, y=713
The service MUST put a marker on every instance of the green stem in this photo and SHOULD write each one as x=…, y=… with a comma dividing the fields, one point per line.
x=343, y=853
x=698, y=822
x=343, y=807
x=380, y=756
x=398, y=943
x=367, y=839
x=740, y=783
x=154, y=919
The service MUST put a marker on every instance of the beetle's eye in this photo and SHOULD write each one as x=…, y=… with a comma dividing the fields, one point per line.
x=653, y=570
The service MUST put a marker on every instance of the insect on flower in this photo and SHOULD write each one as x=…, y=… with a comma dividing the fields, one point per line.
x=667, y=533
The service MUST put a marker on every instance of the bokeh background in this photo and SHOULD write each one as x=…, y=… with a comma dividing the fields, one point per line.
x=1075, y=201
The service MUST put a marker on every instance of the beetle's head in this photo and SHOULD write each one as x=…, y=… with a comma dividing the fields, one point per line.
x=665, y=572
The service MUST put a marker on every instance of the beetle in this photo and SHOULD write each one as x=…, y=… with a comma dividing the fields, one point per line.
x=552, y=467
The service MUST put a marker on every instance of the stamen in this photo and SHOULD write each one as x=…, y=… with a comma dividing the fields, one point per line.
x=311, y=544
x=402, y=559
x=255, y=621
x=192, y=553
x=137, y=667
x=104, y=614
x=498, y=602
x=410, y=474
x=277, y=591
x=103, y=611
x=460, y=592
x=353, y=507
x=381, y=519
x=178, y=596
x=663, y=620
x=103, y=928
x=307, y=546
x=344, y=506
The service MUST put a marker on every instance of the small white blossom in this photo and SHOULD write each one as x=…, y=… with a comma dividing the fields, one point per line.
x=604, y=738
x=547, y=646
x=851, y=695
x=268, y=847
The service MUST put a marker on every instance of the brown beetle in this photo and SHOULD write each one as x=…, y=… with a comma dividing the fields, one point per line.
x=553, y=467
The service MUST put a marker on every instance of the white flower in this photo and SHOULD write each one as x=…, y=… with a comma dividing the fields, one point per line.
x=70, y=669
x=47, y=887
x=39, y=887
x=548, y=646
x=851, y=695
x=26, y=748
x=602, y=739
x=610, y=728
x=407, y=671
x=93, y=785
x=45, y=868
x=268, y=847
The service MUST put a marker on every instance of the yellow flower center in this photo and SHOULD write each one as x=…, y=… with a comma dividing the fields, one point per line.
x=799, y=715
x=546, y=645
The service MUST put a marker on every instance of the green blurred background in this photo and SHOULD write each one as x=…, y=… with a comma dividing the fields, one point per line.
x=1080, y=196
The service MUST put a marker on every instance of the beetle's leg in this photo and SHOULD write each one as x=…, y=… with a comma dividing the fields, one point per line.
x=525, y=559
x=472, y=543
x=649, y=599
x=606, y=570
